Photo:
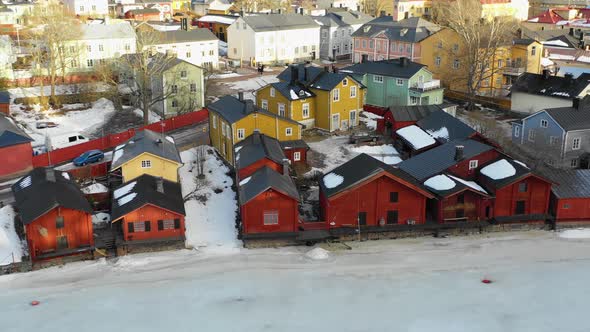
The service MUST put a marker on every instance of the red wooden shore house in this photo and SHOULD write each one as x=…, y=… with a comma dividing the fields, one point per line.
x=15, y=149
x=570, y=196
x=5, y=103
x=257, y=151
x=55, y=213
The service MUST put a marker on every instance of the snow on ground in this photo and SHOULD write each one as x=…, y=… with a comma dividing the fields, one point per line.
x=225, y=75
x=250, y=85
x=83, y=122
x=414, y=285
x=498, y=170
x=10, y=244
x=386, y=153
x=317, y=254
x=154, y=117
x=369, y=119
x=101, y=218
x=580, y=233
x=210, y=225
x=59, y=90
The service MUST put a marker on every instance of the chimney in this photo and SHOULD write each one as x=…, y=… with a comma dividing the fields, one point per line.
x=241, y=96
x=160, y=184
x=576, y=103
x=459, y=152
x=364, y=58
x=50, y=174
x=286, y=164
x=545, y=73
x=571, y=32
x=403, y=61
x=326, y=69
x=159, y=141
x=304, y=74
x=334, y=69
x=340, y=5
x=294, y=74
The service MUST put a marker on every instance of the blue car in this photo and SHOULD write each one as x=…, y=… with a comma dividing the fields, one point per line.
x=89, y=157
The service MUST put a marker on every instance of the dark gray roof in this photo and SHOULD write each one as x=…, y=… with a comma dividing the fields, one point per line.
x=276, y=22
x=361, y=168
x=256, y=147
x=296, y=144
x=232, y=109
x=392, y=67
x=4, y=97
x=491, y=185
x=440, y=158
x=411, y=30
x=412, y=113
x=144, y=191
x=10, y=133
x=569, y=183
x=552, y=86
x=437, y=120
x=317, y=78
x=36, y=194
x=343, y=18
x=145, y=141
x=161, y=62
x=182, y=36
x=460, y=185
x=570, y=118
x=264, y=179
x=285, y=89
x=312, y=73
x=523, y=41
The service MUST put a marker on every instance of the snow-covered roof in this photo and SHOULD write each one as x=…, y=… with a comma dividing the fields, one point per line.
x=218, y=19
x=124, y=190
x=470, y=184
x=416, y=137
x=498, y=170
x=440, y=183
x=442, y=132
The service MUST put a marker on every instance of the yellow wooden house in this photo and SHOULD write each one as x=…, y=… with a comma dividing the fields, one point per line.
x=314, y=97
x=233, y=119
x=147, y=152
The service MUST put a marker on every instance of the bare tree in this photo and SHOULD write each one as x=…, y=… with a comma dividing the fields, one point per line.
x=376, y=7
x=482, y=40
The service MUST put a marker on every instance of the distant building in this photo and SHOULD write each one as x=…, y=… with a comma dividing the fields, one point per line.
x=92, y=8
x=15, y=147
x=199, y=47
x=337, y=27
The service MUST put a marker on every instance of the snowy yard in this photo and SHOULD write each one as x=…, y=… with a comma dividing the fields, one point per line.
x=65, y=89
x=10, y=244
x=539, y=283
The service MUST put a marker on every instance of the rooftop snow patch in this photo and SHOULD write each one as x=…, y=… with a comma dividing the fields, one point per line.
x=170, y=139
x=417, y=137
x=124, y=190
x=520, y=163
x=471, y=184
x=440, y=183
x=555, y=43
x=126, y=199
x=244, y=181
x=95, y=188
x=442, y=132
x=498, y=170
x=118, y=153
x=333, y=180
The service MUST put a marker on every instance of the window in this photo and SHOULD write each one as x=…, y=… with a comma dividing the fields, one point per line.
x=93, y=8
x=174, y=103
x=566, y=206
x=59, y=222
x=62, y=242
x=305, y=110
x=520, y=207
x=74, y=64
x=516, y=131
x=531, y=135
x=223, y=129
x=271, y=217
x=188, y=54
x=522, y=187
x=235, y=51
x=81, y=8
x=553, y=140
x=127, y=47
x=500, y=63
x=364, y=44
x=408, y=48
x=281, y=109
x=344, y=82
x=100, y=48
x=288, y=131
x=576, y=142
x=534, y=50
x=414, y=100
x=362, y=218
x=353, y=92
x=437, y=61
x=356, y=43
x=174, y=89
x=574, y=163
x=146, y=164
x=214, y=122
x=473, y=164
x=72, y=49
x=440, y=44
x=272, y=92
x=455, y=47
x=183, y=73
x=264, y=104
x=193, y=87
x=544, y=123
x=399, y=81
x=393, y=197
x=89, y=48
x=392, y=217
x=456, y=64
x=296, y=50
x=392, y=46
x=336, y=95
x=296, y=156
x=371, y=44
x=168, y=224
x=211, y=52
x=241, y=133
x=90, y=63
x=377, y=78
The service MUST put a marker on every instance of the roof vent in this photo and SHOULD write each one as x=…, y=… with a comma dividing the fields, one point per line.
x=50, y=174
x=403, y=32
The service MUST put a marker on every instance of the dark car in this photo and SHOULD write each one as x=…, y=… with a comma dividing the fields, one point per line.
x=363, y=138
x=89, y=157
x=45, y=124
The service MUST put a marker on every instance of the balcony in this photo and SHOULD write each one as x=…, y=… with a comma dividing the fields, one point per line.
x=427, y=86
x=515, y=71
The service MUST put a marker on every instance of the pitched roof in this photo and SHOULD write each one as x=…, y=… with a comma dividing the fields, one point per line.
x=569, y=183
x=292, y=91
x=264, y=179
x=392, y=67
x=361, y=168
x=551, y=86
x=412, y=113
x=232, y=109
x=256, y=147
x=305, y=74
x=44, y=189
x=160, y=62
x=502, y=172
x=523, y=41
x=315, y=77
x=570, y=118
x=132, y=195
x=10, y=133
x=458, y=185
x=411, y=30
x=343, y=18
x=182, y=36
x=549, y=16
x=277, y=22
x=440, y=158
x=145, y=141
x=445, y=127
x=295, y=144
x=4, y=97
x=107, y=31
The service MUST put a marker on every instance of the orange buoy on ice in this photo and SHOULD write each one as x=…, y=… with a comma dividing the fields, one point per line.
x=486, y=281
x=35, y=302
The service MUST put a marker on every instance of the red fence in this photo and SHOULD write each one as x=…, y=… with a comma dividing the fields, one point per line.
x=106, y=142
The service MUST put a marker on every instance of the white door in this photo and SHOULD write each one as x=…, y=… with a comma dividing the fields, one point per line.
x=352, y=118
x=335, y=121
x=344, y=125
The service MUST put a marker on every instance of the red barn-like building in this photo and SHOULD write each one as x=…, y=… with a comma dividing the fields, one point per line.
x=570, y=196
x=55, y=213
x=257, y=151
x=367, y=192
x=15, y=149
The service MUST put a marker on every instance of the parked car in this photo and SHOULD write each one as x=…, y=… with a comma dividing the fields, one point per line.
x=89, y=157
x=45, y=124
x=357, y=138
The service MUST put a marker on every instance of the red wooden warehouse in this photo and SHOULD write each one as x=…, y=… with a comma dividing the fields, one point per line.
x=268, y=203
x=367, y=192
x=148, y=209
x=15, y=149
x=55, y=213
x=570, y=196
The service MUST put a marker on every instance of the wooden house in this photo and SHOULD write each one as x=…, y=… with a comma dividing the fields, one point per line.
x=5, y=103
x=570, y=196
x=520, y=195
x=147, y=152
x=367, y=192
x=147, y=210
x=15, y=149
x=269, y=203
x=257, y=151
x=55, y=213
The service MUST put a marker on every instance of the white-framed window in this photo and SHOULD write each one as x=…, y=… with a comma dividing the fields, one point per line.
x=377, y=78
x=544, y=123
x=437, y=61
x=576, y=143
x=183, y=74
x=336, y=95
x=534, y=50
x=90, y=63
x=436, y=100
x=241, y=133
x=288, y=131
x=272, y=92
x=352, y=118
x=281, y=109
x=399, y=81
x=296, y=156
x=516, y=131
x=353, y=91
x=344, y=82
x=127, y=47
x=146, y=164
x=138, y=226
x=574, y=163
x=473, y=164
x=193, y=87
x=223, y=129
x=455, y=47
x=305, y=110
x=188, y=54
x=531, y=135
x=553, y=140
x=271, y=217
x=214, y=118
x=100, y=48
x=89, y=48
x=414, y=100
x=264, y=104
x=228, y=131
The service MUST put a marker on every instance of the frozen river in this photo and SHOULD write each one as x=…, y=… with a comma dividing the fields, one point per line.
x=540, y=284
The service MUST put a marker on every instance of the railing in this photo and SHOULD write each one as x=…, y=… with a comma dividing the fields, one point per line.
x=513, y=70
x=425, y=86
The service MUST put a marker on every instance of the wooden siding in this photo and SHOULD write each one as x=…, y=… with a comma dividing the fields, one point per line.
x=159, y=167
x=253, y=213
x=250, y=169
x=536, y=197
x=152, y=214
x=16, y=159
x=462, y=170
x=473, y=207
x=571, y=209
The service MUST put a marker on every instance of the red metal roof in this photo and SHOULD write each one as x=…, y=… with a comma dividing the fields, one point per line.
x=548, y=17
